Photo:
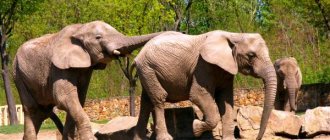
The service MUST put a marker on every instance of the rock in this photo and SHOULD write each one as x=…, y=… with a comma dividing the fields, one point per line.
x=120, y=128
x=280, y=122
x=316, y=121
x=284, y=123
x=248, y=121
x=96, y=127
x=217, y=131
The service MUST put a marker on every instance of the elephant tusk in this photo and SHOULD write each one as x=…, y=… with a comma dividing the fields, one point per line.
x=116, y=52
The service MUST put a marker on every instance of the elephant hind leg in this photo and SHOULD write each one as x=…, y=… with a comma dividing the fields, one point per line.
x=157, y=96
x=33, y=116
x=32, y=122
x=145, y=109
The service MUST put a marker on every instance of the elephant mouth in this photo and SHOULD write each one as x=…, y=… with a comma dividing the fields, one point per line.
x=105, y=60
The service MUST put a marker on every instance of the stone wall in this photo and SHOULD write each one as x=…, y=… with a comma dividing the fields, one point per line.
x=313, y=95
x=309, y=96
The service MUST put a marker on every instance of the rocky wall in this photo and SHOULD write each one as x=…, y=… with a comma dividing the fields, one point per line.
x=309, y=96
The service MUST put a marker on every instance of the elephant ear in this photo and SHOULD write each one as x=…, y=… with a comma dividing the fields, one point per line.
x=69, y=55
x=218, y=51
x=299, y=77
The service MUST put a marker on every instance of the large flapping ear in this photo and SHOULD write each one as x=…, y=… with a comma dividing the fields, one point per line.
x=69, y=55
x=299, y=77
x=218, y=50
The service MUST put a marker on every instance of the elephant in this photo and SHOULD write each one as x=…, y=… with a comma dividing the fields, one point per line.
x=289, y=80
x=174, y=67
x=55, y=70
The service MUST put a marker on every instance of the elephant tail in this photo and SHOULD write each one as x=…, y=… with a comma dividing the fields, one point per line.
x=57, y=121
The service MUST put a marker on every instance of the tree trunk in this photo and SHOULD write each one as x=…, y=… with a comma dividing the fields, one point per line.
x=128, y=69
x=5, y=76
x=188, y=13
x=132, y=86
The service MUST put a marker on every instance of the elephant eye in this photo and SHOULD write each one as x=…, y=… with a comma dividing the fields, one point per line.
x=251, y=55
x=98, y=37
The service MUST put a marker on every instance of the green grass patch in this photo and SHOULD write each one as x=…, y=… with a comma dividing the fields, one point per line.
x=11, y=129
x=48, y=126
x=300, y=113
x=100, y=121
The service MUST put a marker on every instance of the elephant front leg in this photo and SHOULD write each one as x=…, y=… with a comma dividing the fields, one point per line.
x=145, y=109
x=205, y=102
x=286, y=103
x=67, y=98
x=225, y=101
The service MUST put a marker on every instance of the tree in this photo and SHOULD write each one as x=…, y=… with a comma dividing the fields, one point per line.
x=7, y=21
x=325, y=18
x=10, y=11
x=129, y=71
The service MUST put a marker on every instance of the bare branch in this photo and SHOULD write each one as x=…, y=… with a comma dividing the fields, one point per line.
x=10, y=29
x=127, y=67
x=122, y=67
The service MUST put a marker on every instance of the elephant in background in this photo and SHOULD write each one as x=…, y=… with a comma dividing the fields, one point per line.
x=174, y=67
x=55, y=70
x=289, y=80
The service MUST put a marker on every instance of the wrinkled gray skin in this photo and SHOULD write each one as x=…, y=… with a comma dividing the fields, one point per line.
x=174, y=67
x=289, y=80
x=55, y=70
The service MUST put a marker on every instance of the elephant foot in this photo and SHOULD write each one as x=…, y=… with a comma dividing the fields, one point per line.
x=138, y=137
x=164, y=136
x=229, y=138
x=87, y=136
x=198, y=128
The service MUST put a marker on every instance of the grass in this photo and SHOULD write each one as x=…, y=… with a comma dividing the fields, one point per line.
x=101, y=121
x=300, y=113
x=46, y=125
x=10, y=129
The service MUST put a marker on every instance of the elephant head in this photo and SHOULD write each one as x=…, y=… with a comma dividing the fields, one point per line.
x=289, y=76
x=248, y=54
x=93, y=43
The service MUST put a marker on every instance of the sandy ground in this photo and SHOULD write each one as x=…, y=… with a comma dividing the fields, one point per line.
x=43, y=135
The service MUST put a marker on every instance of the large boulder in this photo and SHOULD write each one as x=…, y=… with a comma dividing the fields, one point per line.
x=316, y=121
x=120, y=128
x=280, y=122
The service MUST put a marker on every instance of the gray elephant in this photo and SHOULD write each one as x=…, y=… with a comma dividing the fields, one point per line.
x=55, y=70
x=289, y=79
x=173, y=67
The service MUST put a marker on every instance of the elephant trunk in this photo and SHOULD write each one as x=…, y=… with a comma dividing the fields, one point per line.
x=129, y=44
x=291, y=86
x=270, y=81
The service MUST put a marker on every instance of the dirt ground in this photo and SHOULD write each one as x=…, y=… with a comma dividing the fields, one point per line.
x=43, y=135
